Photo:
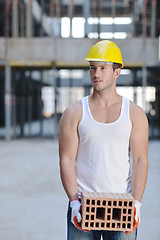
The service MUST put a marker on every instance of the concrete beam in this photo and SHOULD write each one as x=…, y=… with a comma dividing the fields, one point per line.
x=71, y=52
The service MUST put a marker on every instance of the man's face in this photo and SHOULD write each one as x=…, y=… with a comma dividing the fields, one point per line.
x=102, y=75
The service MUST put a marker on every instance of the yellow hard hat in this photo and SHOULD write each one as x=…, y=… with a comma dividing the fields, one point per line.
x=105, y=51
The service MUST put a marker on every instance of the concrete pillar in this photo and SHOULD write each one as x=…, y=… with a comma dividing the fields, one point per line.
x=29, y=104
x=7, y=18
x=113, y=14
x=159, y=49
x=144, y=68
x=51, y=8
x=42, y=13
x=56, y=84
x=94, y=14
x=15, y=22
x=94, y=8
x=40, y=105
x=144, y=85
x=22, y=103
x=144, y=22
x=14, y=125
x=58, y=17
x=22, y=19
x=70, y=14
x=86, y=14
x=70, y=87
x=29, y=22
x=134, y=78
x=153, y=19
x=134, y=14
x=8, y=102
x=99, y=15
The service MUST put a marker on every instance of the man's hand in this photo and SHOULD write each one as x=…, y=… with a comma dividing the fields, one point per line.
x=76, y=218
x=136, y=221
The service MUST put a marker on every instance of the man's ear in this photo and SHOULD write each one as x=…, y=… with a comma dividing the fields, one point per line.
x=117, y=72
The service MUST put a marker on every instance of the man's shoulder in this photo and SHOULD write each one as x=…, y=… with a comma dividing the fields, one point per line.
x=135, y=108
x=73, y=112
x=137, y=113
x=74, y=107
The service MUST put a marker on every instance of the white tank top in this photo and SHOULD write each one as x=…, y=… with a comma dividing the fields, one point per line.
x=103, y=158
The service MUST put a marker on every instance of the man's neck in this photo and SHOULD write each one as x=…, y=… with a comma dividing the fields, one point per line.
x=105, y=99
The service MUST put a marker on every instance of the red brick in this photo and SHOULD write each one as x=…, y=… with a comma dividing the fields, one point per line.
x=107, y=211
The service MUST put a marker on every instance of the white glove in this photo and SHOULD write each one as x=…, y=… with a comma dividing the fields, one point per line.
x=136, y=221
x=75, y=214
x=138, y=207
x=75, y=206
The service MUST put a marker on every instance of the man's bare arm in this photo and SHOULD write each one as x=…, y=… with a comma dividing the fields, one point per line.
x=139, y=151
x=68, y=145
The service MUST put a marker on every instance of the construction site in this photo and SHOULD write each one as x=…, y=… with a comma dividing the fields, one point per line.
x=43, y=44
x=42, y=55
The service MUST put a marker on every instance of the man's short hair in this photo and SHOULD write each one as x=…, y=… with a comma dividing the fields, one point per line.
x=116, y=65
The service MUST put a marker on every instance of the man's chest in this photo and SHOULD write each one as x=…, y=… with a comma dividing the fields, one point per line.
x=106, y=114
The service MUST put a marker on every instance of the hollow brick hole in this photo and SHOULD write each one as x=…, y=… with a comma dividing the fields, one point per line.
x=100, y=213
x=88, y=201
x=118, y=225
x=129, y=225
x=116, y=215
x=86, y=224
x=93, y=202
x=108, y=225
x=87, y=217
x=91, y=224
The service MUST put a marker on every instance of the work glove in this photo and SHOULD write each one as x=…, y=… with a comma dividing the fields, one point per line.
x=76, y=218
x=136, y=220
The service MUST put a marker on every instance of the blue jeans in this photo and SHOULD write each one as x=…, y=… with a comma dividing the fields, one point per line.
x=75, y=234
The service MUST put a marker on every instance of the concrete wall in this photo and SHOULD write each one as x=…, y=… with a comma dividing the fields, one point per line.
x=71, y=52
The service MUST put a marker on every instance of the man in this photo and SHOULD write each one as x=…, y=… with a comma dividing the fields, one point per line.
x=96, y=137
